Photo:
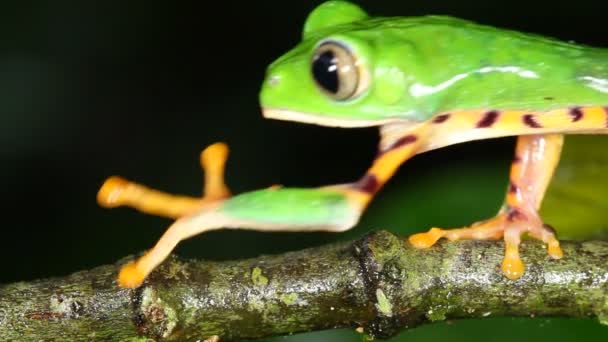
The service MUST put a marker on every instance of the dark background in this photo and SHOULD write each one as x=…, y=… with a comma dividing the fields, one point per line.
x=90, y=89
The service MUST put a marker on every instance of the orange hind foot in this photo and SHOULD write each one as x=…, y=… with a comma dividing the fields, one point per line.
x=509, y=224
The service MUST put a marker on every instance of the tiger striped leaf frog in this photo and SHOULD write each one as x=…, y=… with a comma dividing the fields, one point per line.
x=426, y=82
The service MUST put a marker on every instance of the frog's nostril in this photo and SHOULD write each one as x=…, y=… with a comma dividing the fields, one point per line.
x=274, y=80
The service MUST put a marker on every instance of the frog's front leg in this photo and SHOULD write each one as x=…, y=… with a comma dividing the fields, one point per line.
x=333, y=208
x=535, y=160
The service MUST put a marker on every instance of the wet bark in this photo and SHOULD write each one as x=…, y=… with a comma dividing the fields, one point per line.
x=377, y=284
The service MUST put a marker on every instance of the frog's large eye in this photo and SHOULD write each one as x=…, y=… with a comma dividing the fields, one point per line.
x=335, y=71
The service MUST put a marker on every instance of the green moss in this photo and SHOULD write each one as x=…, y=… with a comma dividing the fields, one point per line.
x=383, y=305
x=258, y=278
x=256, y=304
x=386, y=246
x=288, y=299
x=158, y=312
x=270, y=312
x=436, y=314
x=176, y=270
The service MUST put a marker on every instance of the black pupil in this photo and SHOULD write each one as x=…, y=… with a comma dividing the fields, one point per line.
x=325, y=71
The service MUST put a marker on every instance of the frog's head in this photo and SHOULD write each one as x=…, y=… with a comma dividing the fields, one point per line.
x=348, y=71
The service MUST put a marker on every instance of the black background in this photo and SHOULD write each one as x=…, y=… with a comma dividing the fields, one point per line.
x=94, y=88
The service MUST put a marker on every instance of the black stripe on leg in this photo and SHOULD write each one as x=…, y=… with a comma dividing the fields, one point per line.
x=576, y=113
x=368, y=184
x=406, y=140
x=513, y=188
x=530, y=121
x=515, y=215
x=441, y=118
x=489, y=118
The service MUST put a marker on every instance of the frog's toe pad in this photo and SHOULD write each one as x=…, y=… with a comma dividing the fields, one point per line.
x=130, y=276
x=554, y=250
x=512, y=267
x=426, y=240
x=214, y=155
x=111, y=194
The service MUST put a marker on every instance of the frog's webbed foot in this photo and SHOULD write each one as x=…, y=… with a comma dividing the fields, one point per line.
x=536, y=157
x=117, y=191
x=510, y=225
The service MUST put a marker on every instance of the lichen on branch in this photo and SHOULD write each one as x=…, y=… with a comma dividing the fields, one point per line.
x=378, y=285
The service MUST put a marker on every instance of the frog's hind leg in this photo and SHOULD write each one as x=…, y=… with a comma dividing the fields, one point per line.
x=531, y=170
x=117, y=191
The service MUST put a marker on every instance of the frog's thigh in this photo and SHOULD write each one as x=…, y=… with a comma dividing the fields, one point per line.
x=536, y=157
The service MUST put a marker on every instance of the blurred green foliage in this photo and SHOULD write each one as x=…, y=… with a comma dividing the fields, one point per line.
x=576, y=202
x=92, y=88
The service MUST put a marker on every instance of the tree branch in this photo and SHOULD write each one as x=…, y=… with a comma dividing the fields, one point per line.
x=378, y=283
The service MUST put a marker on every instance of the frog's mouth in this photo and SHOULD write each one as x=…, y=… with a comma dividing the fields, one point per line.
x=322, y=120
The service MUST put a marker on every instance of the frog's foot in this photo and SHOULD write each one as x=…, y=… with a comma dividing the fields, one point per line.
x=509, y=224
x=117, y=191
x=134, y=273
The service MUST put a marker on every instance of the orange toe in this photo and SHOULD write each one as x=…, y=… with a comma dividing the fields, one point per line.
x=512, y=267
x=426, y=240
x=130, y=276
x=554, y=250
x=214, y=154
x=111, y=192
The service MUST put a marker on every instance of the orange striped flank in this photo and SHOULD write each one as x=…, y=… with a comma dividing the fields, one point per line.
x=468, y=125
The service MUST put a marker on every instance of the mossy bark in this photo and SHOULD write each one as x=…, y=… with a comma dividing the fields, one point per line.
x=378, y=283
